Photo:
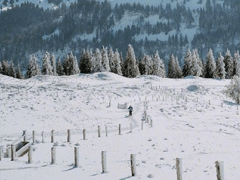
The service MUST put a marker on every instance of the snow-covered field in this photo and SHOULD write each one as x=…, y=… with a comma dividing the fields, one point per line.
x=191, y=118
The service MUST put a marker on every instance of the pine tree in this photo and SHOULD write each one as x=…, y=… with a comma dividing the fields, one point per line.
x=229, y=65
x=12, y=71
x=19, y=73
x=210, y=65
x=0, y=67
x=220, y=69
x=53, y=64
x=130, y=64
x=187, y=64
x=110, y=57
x=33, y=68
x=74, y=68
x=171, y=67
x=237, y=63
x=105, y=60
x=199, y=72
x=195, y=69
x=158, y=66
x=86, y=62
x=5, y=68
x=178, y=69
x=116, y=63
x=46, y=65
x=59, y=68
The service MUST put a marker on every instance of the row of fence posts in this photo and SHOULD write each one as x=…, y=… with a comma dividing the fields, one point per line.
x=218, y=165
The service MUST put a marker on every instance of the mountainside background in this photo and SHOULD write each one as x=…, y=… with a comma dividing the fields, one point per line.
x=169, y=26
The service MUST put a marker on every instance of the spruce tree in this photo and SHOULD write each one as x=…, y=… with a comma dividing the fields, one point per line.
x=12, y=71
x=130, y=64
x=178, y=69
x=229, y=65
x=53, y=64
x=220, y=69
x=105, y=60
x=85, y=63
x=116, y=62
x=33, y=68
x=59, y=68
x=0, y=67
x=19, y=73
x=195, y=69
x=5, y=68
x=187, y=64
x=74, y=65
x=237, y=63
x=110, y=57
x=97, y=61
x=171, y=67
x=158, y=66
x=210, y=65
x=46, y=65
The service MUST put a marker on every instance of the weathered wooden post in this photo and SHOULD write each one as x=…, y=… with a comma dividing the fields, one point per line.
x=179, y=168
x=219, y=169
x=24, y=136
x=1, y=152
x=119, y=129
x=104, y=161
x=142, y=126
x=84, y=134
x=133, y=164
x=76, y=156
x=53, y=153
x=30, y=151
x=68, y=135
x=106, y=131
x=151, y=123
x=43, y=137
x=33, y=137
x=99, y=131
x=13, y=152
x=130, y=127
x=52, y=136
x=9, y=150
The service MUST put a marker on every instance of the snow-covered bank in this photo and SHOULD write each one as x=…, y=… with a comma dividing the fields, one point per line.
x=189, y=122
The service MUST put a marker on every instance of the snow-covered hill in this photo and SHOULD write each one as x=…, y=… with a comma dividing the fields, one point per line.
x=191, y=117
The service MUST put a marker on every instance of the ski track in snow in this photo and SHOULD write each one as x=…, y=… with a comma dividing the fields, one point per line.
x=185, y=125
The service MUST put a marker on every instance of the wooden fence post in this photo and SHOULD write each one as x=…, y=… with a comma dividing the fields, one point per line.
x=219, y=169
x=9, y=150
x=130, y=127
x=52, y=136
x=133, y=164
x=24, y=136
x=142, y=126
x=76, y=156
x=179, y=168
x=43, y=137
x=104, y=162
x=33, y=137
x=106, y=131
x=1, y=152
x=84, y=134
x=99, y=131
x=53, y=153
x=13, y=152
x=151, y=123
x=68, y=135
x=30, y=150
x=119, y=129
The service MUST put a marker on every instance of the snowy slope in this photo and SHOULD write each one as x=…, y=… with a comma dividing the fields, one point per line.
x=185, y=125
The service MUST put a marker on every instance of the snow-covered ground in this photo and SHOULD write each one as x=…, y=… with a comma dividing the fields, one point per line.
x=191, y=118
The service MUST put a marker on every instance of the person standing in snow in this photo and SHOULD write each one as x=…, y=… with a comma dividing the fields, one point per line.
x=130, y=109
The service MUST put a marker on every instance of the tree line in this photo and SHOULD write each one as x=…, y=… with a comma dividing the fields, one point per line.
x=104, y=60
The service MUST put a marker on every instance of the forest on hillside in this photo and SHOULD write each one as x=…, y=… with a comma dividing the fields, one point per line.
x=28, y=28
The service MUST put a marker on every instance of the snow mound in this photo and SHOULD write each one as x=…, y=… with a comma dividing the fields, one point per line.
x=194, y=88
x=150, y=77
x=190, y=77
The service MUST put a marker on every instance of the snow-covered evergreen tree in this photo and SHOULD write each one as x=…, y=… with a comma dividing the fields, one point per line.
x=19, y=73
x=210, y=65
x=237, y=63
x=105, y=60
x=220, y=67
x=70, y=65
x=178, y=69
x=229, y=65
x=12, y=71
x=146, y=65
x=172, y=67
x=85, y=63
x=97, y=61
x=233, y=90
x=59, y=68
x=110, y=57
x=33, y=68
x=46, y=65
x=5, y=68
x=116, y=63
x=0, y=67
x=187, y=64
x=130, y=64
x=195, y=70
x=158, y=66
x=53, y=64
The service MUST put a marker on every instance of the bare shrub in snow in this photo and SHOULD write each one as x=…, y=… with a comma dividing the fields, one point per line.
x=233, y=90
